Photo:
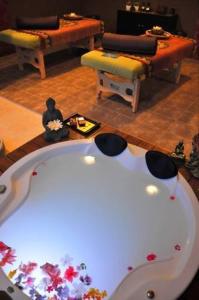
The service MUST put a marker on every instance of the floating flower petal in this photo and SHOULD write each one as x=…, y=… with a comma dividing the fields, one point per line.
x=8, y=257
x=151, y=257
x=70, y=274
x=177, y=247
x=3, y=247
x=28, y=268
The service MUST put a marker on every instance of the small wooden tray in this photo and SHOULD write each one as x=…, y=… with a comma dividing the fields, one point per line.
x=86, y=130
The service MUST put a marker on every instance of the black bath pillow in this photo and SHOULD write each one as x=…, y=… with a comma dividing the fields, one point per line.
x=50, y=22
x=110, y=144
x=129, y=43
x=160, y=165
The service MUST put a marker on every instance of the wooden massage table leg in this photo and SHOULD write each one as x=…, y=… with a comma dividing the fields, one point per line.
x=86, y=43
x=177, y=71
x=34, y=57
x=129, y=90
x=40, y=63
x=19, y=58
x=171, y=74
x=91, y=43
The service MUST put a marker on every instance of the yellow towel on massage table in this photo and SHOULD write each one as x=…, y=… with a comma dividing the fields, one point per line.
x=20, y=39
x=114, y=64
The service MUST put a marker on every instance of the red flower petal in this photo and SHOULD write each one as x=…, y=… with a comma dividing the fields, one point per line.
x=151, y=257
x=177, y=247
x=50, y=289
x=34, y=173
x=3, y=247
x=8, y=258
x=70, y=273
x=130, y=268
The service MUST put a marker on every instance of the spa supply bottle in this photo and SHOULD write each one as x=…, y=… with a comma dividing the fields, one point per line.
x=148, y=7
x=143, y=6
x=128, y=5
x=136, y=6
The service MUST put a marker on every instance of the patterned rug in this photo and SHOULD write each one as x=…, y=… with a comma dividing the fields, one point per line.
x=17, y=124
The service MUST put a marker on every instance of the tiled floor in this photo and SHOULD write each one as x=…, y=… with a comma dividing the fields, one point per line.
x=167, y=112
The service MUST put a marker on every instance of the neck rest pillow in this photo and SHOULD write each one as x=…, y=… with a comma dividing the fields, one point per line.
x=50, y=22
x=160, y=165
x=129, y=43
x=110, y=144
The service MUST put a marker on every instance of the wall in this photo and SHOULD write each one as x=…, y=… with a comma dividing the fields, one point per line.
x=188, y=11
x=4, y=23
x=35, y=8
x=4, y=20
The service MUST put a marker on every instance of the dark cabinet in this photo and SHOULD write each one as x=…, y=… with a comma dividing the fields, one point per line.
x=129, y=22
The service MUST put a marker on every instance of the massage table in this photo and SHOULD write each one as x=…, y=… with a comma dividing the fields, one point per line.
x=122, y=73
x=32, y=45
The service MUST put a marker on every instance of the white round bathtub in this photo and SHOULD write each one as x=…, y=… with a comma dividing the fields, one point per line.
x=77, y=224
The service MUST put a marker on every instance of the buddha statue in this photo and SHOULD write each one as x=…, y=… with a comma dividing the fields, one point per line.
x=179, y=151
x=193, y=162
x=52, y=121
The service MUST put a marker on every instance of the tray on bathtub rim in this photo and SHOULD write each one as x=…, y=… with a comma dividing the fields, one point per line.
x=90, y=127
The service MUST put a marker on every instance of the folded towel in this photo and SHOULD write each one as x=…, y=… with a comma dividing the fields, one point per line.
x=129, y=43
x=50, y=22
